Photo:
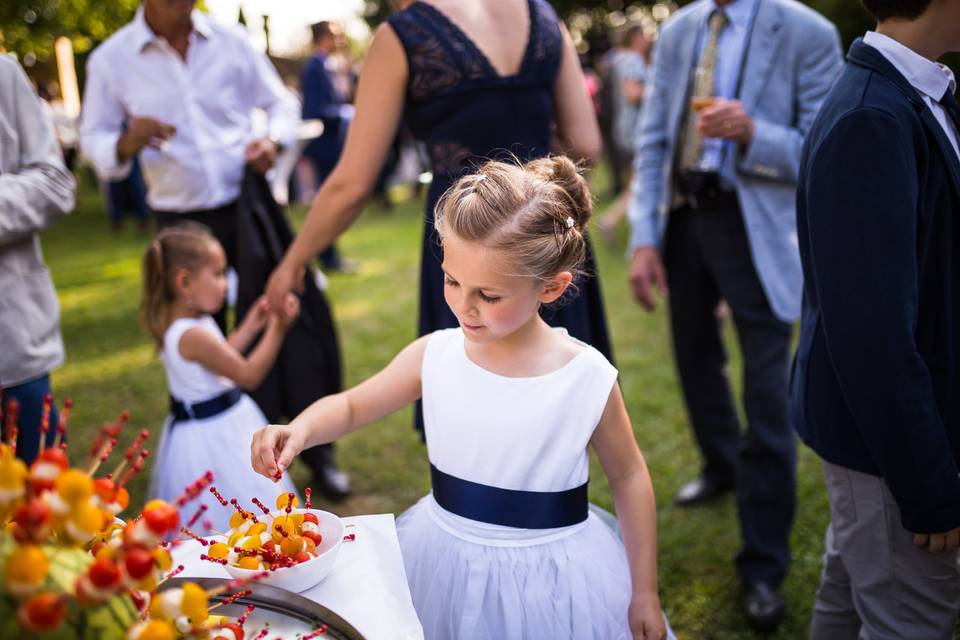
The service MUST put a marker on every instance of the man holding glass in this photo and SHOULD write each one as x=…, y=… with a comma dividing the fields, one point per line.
x=736, y=84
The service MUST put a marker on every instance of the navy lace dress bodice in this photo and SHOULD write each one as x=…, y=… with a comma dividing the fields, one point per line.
x=466, y=112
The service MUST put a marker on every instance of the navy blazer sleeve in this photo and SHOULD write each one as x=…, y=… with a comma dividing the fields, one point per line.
x=862, y=195
x=320, y=99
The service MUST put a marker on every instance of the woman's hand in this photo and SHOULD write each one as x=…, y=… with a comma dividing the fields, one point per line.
x=273, y=449
x=646, y=618
x=284, y=280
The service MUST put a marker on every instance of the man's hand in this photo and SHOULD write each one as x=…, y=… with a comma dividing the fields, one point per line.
x=261, y=154
x=938, y=542
x=726, y=119
x=140, y=133
x=646, y=272
x=633, y=91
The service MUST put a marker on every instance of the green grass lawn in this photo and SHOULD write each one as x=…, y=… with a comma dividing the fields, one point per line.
x=111, y=366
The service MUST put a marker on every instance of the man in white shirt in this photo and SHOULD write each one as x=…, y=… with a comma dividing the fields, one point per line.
x=178, y=90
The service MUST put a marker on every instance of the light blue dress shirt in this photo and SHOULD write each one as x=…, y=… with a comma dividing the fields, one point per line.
x=718, y=155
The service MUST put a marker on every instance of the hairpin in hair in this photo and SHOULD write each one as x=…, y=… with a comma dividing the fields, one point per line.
x=481, y=177
x=569, y=222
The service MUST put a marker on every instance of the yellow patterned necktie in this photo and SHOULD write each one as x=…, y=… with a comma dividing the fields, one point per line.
x=692, y=147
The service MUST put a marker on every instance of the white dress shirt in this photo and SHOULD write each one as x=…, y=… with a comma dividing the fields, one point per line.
x=209, y=97
x=930, y=78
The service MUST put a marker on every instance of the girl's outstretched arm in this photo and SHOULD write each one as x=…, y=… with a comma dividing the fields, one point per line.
x=223, y=358
x=632, y=490
x=331, y=417
x=253, y=323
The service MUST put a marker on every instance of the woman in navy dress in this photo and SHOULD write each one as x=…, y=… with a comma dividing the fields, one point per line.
x=509, y=84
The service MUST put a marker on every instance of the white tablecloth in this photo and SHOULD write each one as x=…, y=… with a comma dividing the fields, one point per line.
x=367, y=586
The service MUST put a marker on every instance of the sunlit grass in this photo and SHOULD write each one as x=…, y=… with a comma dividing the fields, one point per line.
x=112, y=365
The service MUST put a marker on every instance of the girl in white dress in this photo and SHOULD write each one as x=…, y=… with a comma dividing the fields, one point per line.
x=506, y=545
x=211, y=422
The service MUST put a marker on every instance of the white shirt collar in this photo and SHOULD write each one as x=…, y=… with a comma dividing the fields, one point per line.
x=926, y=76
x=144, y=35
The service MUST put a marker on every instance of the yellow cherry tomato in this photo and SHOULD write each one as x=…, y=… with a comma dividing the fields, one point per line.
x=194, y=603
x=157, y=630
x=27, y=565
x=284, y=499
x=163, y=559
x=74, y=486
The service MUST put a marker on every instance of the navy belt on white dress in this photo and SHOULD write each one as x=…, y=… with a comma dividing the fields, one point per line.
x=183, y=411
x=509, y=507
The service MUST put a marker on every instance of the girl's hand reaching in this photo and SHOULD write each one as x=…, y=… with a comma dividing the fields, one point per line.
x=287, y=315
x=257, y=316
x=273, y=449
x=646, y=618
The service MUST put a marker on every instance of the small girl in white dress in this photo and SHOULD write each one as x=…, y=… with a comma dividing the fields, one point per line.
x=506, y=545
x=211, y=422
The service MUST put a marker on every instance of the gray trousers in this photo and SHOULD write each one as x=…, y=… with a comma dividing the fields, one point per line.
x=876, y=585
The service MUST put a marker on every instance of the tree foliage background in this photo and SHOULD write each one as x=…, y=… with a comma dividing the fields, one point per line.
x=28, y=28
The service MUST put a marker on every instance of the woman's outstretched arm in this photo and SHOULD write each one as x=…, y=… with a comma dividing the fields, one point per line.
x=379, y=105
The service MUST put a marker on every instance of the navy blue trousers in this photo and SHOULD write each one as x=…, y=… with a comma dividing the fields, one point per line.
x=30, y=396
x=708, y=259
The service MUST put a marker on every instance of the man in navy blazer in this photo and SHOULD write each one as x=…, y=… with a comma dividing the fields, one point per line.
x=876, y=382
x=714, y=197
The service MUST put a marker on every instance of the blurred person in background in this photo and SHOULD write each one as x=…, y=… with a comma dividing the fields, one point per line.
x=36, y=189
x=628, y=79
x=326, y=97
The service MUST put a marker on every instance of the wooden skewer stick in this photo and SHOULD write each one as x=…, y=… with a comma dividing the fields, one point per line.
x=45, y=420
x=62, y=423
x=13, y=414
x=130, y=452
x=103, y=455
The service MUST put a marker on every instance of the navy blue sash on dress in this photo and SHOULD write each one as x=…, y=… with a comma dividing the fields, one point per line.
x=207, y=409
x=509, y=507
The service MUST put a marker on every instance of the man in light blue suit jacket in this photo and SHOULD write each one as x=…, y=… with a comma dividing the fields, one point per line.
x=713, y=218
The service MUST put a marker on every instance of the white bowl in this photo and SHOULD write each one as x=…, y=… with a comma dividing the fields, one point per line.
x=304, y=575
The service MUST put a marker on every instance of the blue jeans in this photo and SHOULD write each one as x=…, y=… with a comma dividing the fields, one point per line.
x=30, y=396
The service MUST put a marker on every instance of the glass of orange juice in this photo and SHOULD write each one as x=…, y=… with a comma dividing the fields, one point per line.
x=699, y=103
x=702, y=93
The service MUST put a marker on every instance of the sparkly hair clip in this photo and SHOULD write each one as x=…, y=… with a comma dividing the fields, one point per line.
x=569, y=222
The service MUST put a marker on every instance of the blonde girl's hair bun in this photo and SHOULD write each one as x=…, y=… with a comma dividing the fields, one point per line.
x=534, y=212
x=563, y=172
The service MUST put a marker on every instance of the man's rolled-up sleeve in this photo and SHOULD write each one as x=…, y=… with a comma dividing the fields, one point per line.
x=101, y=122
